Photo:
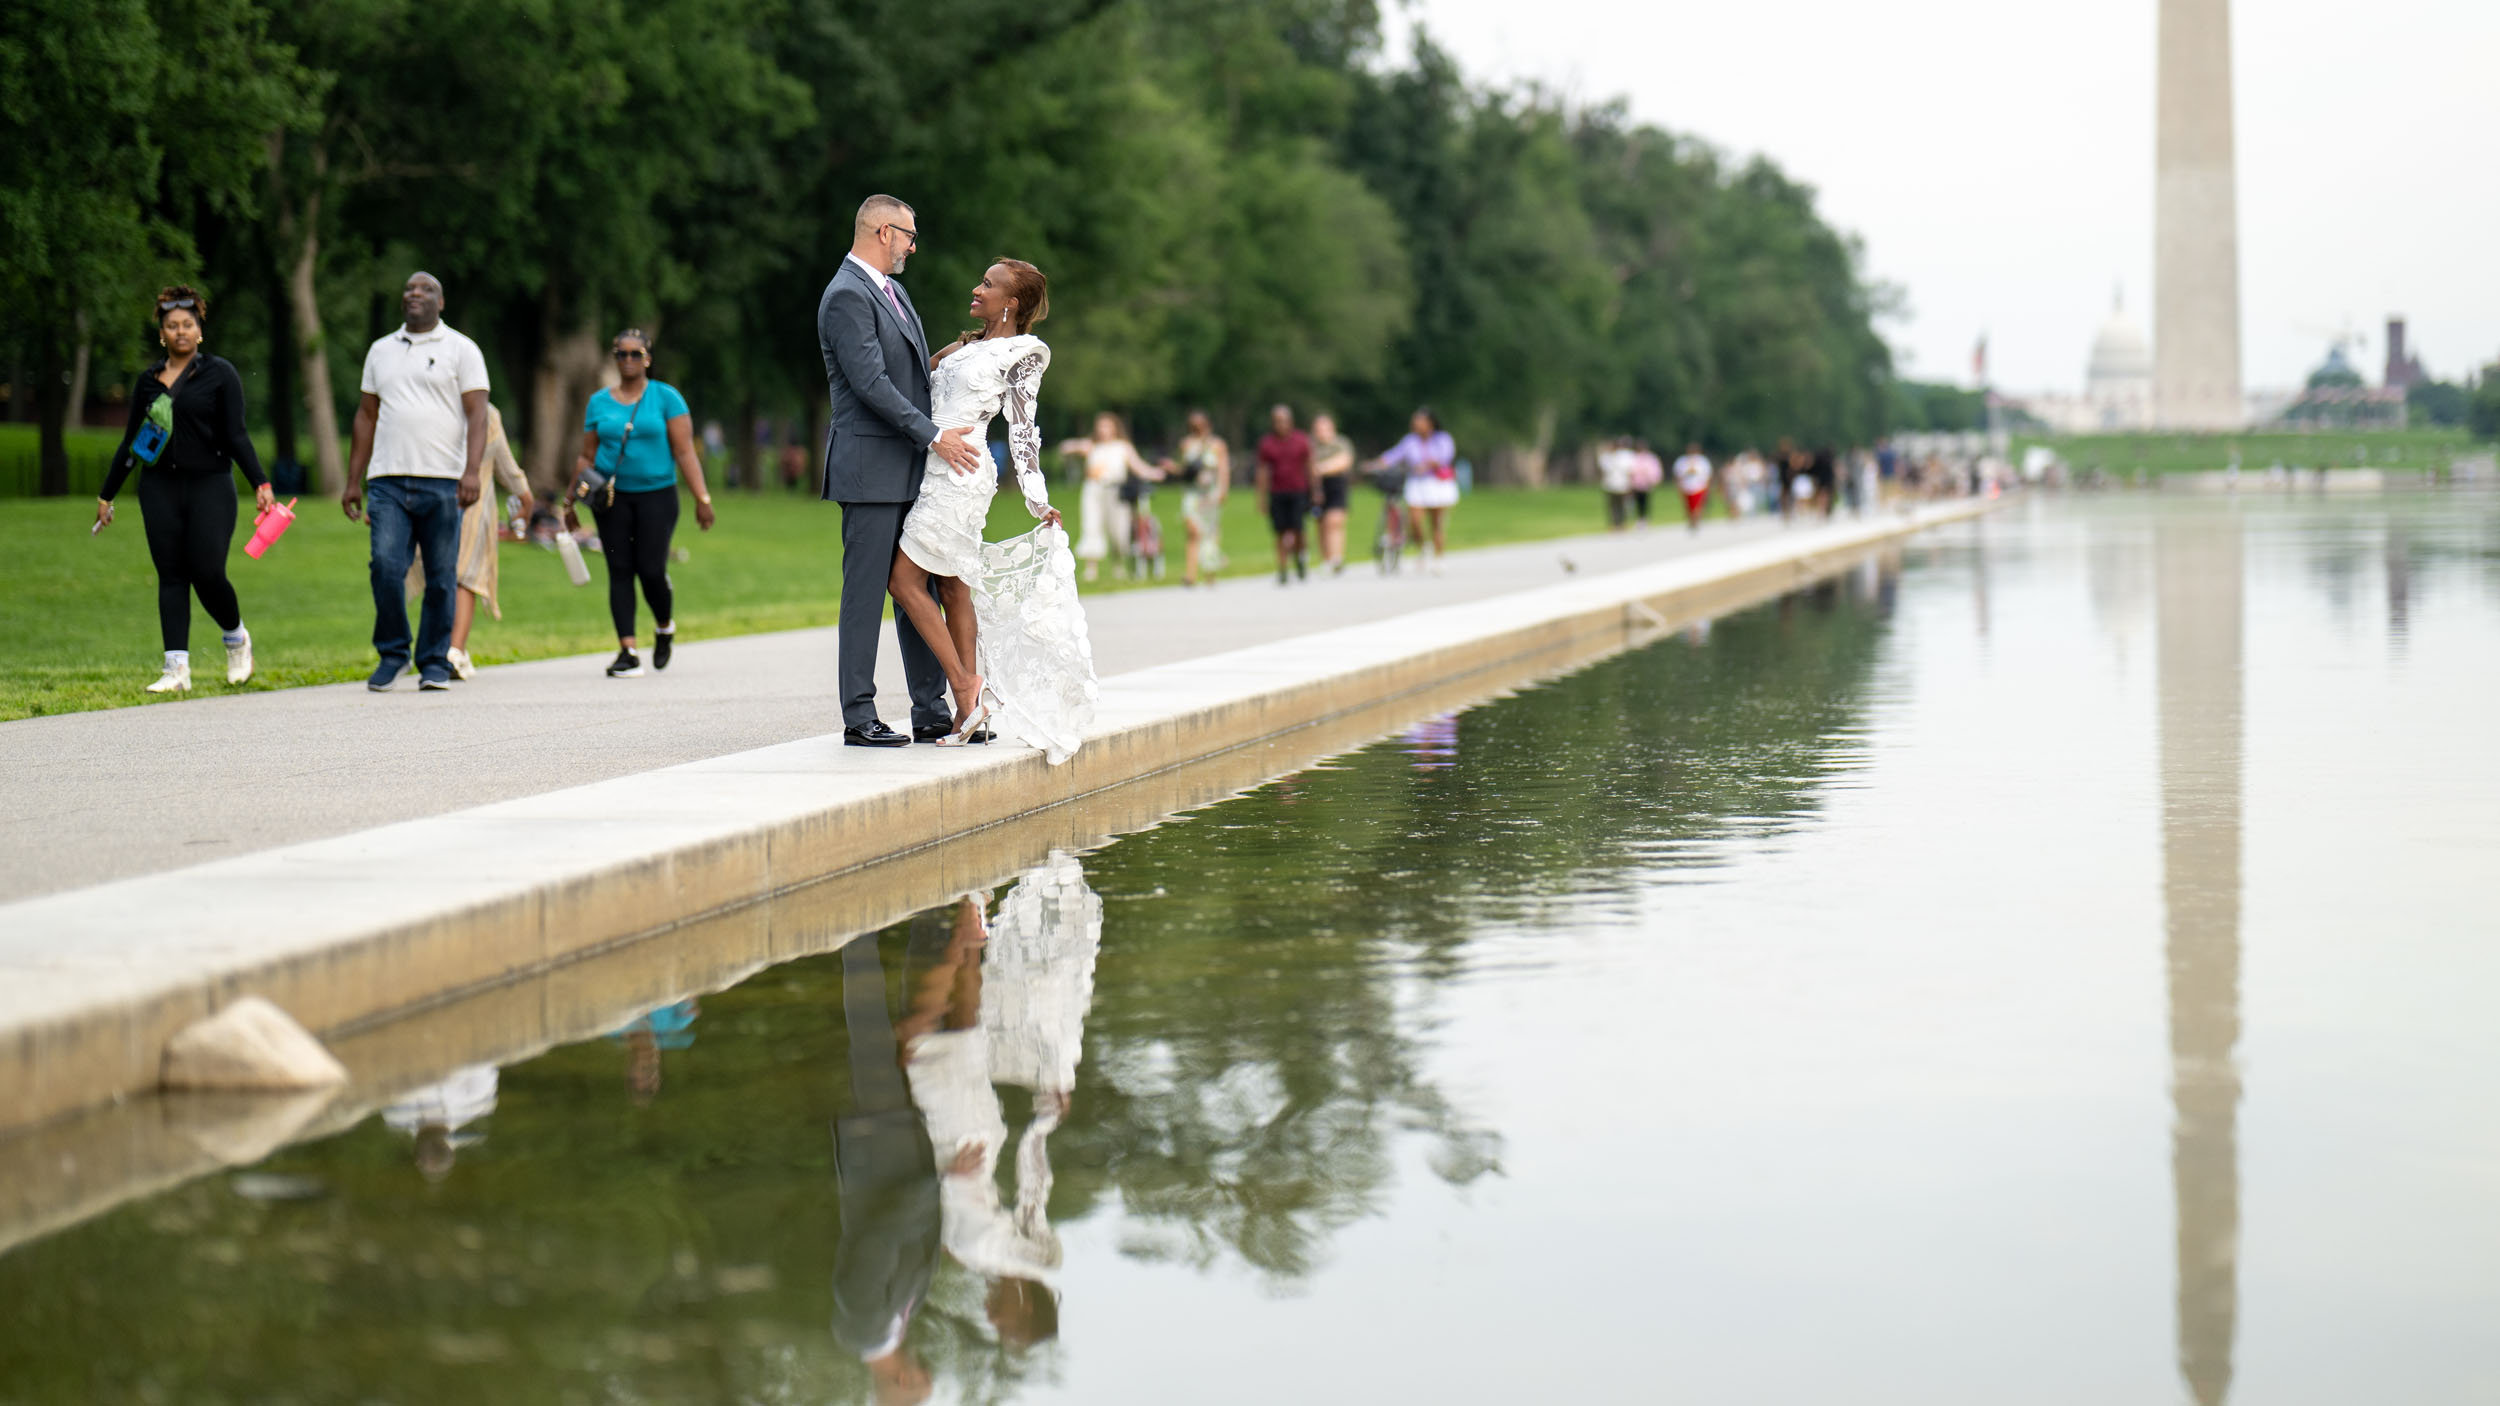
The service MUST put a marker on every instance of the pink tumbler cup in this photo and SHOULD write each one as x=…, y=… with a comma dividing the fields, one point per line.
x=273, y=522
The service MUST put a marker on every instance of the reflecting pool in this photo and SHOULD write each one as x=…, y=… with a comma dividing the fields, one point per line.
x=2054, y=964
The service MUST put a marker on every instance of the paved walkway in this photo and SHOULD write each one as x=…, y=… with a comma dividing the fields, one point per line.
x=91, y=797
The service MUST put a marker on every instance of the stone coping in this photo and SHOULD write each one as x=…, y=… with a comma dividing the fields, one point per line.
x=351, y=933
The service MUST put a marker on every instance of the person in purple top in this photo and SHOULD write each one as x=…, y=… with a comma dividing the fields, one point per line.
x=1430, y=458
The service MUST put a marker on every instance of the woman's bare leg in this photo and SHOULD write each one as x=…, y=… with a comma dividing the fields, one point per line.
x=909, y=586
x=463, y=615
x=1440, y=531
x=1189, y=552
x=961, y=622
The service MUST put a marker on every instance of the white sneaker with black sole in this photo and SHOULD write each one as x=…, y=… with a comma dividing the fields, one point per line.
x=461, y=668
x=626, y=666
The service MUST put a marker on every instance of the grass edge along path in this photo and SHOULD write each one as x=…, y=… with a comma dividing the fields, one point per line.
x=79, y=612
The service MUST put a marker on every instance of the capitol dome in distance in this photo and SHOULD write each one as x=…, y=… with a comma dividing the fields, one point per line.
x=2118, y=383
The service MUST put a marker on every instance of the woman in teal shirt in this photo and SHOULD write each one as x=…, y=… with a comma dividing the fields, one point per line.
x=638, y=437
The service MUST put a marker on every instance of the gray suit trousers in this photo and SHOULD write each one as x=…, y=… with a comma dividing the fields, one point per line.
x=870, y=534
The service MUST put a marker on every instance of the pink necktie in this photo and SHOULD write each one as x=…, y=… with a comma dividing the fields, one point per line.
x=897, y=302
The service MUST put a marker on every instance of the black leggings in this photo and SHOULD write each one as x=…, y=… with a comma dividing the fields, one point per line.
x=190, y=523
x=634, y=532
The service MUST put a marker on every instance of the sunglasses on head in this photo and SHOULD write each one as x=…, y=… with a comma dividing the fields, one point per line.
x=169, y=304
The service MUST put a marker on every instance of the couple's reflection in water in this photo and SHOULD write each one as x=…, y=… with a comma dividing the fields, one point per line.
x=982, y=1002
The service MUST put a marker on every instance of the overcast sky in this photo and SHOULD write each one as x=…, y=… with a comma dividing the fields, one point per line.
x=1997, y=155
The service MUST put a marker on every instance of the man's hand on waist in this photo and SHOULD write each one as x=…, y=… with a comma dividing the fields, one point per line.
x=958, y=449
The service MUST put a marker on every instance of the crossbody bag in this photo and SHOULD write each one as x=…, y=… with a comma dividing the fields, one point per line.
x=604, y=485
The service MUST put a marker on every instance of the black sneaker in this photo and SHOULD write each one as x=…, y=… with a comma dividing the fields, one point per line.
x=626, y=666
x=659, y=648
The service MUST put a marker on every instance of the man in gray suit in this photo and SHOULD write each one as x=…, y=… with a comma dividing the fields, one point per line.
x=877, y=376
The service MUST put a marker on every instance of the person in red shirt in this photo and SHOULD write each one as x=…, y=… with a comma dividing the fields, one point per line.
x=1284, y=481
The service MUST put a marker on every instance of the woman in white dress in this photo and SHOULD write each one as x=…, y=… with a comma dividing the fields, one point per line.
x=1004, y=624
x=1103, y=517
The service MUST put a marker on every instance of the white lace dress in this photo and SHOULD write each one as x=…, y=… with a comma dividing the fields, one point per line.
x=1034, y=652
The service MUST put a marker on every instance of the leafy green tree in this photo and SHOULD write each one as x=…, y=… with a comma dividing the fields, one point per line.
x=2440, y=403
x=121, y=119
x=2482, y=413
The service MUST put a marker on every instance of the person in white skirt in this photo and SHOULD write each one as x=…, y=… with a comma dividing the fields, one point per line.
x=1430, y=458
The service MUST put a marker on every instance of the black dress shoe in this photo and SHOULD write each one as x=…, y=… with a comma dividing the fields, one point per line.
x=931, y=732
x=875, y=734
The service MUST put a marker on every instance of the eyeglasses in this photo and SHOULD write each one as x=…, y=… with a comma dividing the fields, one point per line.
x=169, y=304
x=623, y=354
x=910, y=236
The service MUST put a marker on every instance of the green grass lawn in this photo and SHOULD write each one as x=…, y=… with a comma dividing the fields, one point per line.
x=78, y=613
x=2124, y=454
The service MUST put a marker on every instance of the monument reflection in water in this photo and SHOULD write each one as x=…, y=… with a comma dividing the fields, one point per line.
x=2198, y=588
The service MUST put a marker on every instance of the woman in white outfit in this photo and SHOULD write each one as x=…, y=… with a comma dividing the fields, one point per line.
x=1102, y=516
x=1032, y=668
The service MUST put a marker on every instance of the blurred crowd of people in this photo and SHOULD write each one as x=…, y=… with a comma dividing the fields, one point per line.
x=1789, y=480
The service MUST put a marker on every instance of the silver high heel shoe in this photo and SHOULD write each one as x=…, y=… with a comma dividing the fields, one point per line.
x=984, y=703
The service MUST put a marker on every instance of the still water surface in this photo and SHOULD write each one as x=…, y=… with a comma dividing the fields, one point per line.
x=2056, y=966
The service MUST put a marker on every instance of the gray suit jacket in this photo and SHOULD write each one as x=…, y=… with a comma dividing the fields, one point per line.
x=877, y=377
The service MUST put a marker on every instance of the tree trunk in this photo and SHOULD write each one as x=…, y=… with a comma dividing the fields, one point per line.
x=299, y=237
x=52, y=455
x=568, y=370
x=742, y=454
x=281, y=377
x=78, y=373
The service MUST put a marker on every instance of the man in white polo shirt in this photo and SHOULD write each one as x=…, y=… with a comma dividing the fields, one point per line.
x=420, y=441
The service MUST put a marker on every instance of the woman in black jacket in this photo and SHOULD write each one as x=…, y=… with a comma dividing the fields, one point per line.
x=186, y=493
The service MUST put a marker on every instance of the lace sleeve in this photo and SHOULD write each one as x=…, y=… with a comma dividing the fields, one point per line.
x=1024, y=430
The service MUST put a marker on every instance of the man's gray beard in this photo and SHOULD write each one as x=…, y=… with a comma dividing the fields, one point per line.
x=897, y=270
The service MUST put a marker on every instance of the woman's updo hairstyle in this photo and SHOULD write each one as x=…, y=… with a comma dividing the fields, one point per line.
x=638, y=335
x=1031, y=290
x=177, y=293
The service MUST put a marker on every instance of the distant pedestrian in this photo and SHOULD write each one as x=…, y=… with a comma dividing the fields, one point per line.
x=1284, y=480
x=1741, y=483
x=1825, y=468
x=415, y=463
x=1430, y=458
x=1692, y=479
x=1206, y=474
x=186, y=435
x=1616, y=463
x=1647, y=475
x=1101, y=518
x=636, y=439
x=1332, y=476
x=481, y=534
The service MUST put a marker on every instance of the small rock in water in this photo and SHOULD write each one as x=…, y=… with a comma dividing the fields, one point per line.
x=277, y=1186
x=251, y=1044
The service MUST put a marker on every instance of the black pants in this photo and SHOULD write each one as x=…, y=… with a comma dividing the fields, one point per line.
x=634, y=533
x=190, y=523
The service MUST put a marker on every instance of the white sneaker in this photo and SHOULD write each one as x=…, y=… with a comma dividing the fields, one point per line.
x=239, y=662
x=461, y=668
x=177, y=679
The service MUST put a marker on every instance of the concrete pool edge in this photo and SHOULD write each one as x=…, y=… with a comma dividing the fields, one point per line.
x=336, y=932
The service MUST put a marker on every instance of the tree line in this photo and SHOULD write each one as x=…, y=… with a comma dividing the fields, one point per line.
x=1238, y=201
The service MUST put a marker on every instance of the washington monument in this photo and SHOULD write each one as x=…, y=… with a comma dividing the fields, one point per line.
x=2196, y=230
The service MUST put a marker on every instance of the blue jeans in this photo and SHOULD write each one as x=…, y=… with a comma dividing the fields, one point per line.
x=420, y=515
